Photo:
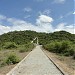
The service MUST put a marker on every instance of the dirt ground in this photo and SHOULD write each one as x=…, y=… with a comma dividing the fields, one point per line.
x=4, y=70
x=66, y=63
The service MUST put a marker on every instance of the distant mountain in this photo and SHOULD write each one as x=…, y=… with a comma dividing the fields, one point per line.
x=56, y=36
x=19, y=37
x=22, y=37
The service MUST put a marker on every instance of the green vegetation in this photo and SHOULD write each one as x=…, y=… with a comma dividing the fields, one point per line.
x=15, y=42
x=9, y=59
x=24, y=37
x=9, y=45
x=26, y=47
x=45, y=38
x=18, y=37
x=12, y=59
x=60, y=42
x=63, y=47
x=9, y=55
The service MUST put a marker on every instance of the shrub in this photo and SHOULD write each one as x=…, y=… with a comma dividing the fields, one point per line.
x=23, y=50
x=54, y=47
x=67, y=48
x=63, y=47
x=12, y=59
x=2, y=62
x=10, y=45
x=57, y=47
x=26, y=47
x=49, y=47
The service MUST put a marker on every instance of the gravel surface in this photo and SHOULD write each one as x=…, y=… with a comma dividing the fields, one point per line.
x=36, y=63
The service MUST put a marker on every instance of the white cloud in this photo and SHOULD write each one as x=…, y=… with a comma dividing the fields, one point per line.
x=43, y=24
x=27, y=16
x=65, y=27
x=17, y=24
x=44, y=19
x=74, y=13
x=59, y=1
x=45, y=12
x=70, y=28
x=23, y=25
x=27, y=9
x=60, y=26
x=2, y=17
x=4, y=29
x=66, y=15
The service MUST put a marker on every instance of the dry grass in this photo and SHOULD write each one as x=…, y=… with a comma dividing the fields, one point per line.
x=4, y=54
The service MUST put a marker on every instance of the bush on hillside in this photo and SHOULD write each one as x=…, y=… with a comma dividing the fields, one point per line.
x=2, y=63
x=9, y=45
x=12, y=59
x=63, y=47
x=26, y=47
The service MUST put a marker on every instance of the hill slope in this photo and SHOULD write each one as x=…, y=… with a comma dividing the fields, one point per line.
x=19, y=37
x=45, y=38
x=22, y=37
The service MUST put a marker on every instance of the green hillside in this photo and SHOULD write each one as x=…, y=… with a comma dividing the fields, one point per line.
x=45, y=38
x=15, y=44
x=57, y=40
x=22, y=37
x=19, y=37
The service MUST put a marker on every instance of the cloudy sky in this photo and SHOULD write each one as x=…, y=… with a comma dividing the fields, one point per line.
x=37, y=15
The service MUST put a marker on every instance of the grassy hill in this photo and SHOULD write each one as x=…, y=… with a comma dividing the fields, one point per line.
x=45, y=38
x=19, y=37
x=22, y=37
x=62, y=42
x=14, y=46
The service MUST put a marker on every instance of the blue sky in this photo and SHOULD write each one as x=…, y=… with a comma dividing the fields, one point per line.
x=37, y=15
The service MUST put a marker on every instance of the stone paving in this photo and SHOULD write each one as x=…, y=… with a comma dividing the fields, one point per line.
x=36, y=63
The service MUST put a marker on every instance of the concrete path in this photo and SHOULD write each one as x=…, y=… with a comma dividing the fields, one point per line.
x=36, y=63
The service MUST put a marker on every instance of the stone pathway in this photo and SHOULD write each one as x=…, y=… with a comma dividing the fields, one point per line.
x=36, y=63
